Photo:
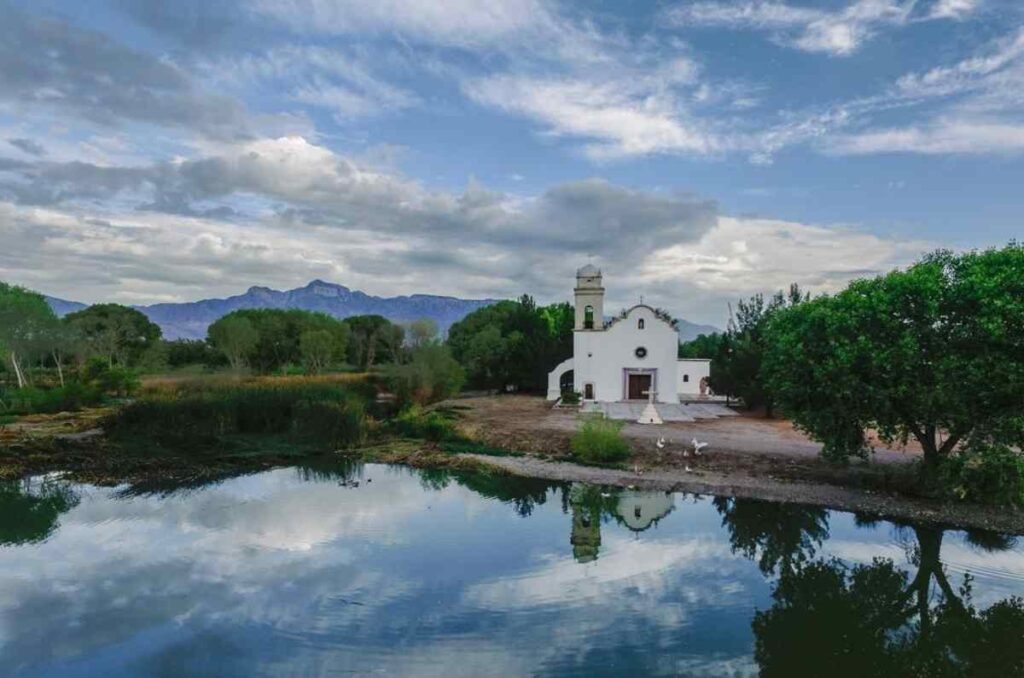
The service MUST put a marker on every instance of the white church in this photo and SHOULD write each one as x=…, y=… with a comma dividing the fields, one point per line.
x=633, y=358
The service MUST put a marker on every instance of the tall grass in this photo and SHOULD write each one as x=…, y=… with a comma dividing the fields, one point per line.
x=204, y=414
x=33, y=400
x=599, y=441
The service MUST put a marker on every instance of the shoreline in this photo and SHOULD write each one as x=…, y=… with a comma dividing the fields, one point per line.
x=885, y=506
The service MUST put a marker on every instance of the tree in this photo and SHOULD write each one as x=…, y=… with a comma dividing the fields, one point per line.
x=934, y=352
x=421, y=331
x=25, y=321
x=512, y=344
x=430, y=375
x=117, y=333
x=318, y=350
x=278, y=335
x=235, y=337
x=741, y=353
x=374, y=339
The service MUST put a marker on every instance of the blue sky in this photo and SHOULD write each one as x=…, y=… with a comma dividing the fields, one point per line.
x=697, y=151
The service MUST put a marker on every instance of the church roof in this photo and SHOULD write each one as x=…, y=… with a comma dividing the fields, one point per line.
x=587, y=271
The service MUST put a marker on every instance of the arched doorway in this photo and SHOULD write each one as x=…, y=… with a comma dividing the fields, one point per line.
x=588, y=391
x=565, y=381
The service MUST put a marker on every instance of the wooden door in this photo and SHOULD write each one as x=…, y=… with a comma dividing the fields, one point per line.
x=639, y=385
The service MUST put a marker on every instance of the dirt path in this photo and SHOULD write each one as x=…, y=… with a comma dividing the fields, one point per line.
x=530, y=424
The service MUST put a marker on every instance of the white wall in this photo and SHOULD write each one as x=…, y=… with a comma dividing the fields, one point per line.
x=600, y=356
x=696, y=369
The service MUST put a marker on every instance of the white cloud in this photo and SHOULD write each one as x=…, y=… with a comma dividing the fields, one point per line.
x=839, y=32
x=616, y=117
x=943, y=136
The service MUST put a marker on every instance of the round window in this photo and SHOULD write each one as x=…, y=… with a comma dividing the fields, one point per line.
x=641, y=352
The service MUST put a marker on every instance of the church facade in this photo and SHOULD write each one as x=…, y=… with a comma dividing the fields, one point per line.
x=627, y=358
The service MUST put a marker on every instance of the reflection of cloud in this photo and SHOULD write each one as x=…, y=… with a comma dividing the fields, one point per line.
x=640, y=565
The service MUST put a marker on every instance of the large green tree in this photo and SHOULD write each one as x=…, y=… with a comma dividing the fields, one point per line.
x=513, y=344
x=278, y=336
x=234, y=336
x=933, y=353
x=374, y=340
x=119, y=334
x=27, y=324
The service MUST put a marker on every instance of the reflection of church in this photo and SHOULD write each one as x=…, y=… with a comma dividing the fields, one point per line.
x=636, y=510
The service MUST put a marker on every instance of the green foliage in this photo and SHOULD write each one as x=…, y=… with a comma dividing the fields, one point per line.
x=33, y=400
x=737, y=355
x=422, y=331
x=119, y=334
x=326, y=414
x=183, y=352
x=571, y=398
x=318, y=348
x=512, y=344
x=599, y=441
x=430, y=375
x=115, y=381
x=991, y=474
x=374, y=340
x=235, y=336
x=435, y=425
x=268, y=340
x=934, y=353
x=26, y=325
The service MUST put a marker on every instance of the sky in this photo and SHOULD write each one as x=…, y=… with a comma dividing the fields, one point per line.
x=696, y=151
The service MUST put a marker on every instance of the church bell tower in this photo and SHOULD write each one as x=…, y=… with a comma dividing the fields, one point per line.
x=589, y=299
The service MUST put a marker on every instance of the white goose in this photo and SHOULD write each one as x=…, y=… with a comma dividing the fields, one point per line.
x=698, y=446
x=661, y=443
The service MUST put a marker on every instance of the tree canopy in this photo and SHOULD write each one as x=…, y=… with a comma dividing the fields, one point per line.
x=513, y=344
x=119, y=334
x=934, y=353
x=374, y=340
x=25, y=320
x=268, y=339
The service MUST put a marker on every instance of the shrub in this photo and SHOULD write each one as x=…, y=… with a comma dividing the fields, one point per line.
x=33, y=400
x=570, y=398
x=322, y=413
x=431, y=375
x=990, y=474
x=434, y=426
x=116, y=381
x=599, y=441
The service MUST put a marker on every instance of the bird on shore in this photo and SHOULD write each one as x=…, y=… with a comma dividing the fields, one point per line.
x=661, y=443
x=698, y=446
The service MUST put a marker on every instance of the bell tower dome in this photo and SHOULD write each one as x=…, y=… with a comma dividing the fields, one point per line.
x=589, y=299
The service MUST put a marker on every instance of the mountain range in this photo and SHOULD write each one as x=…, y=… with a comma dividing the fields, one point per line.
x=189, y=320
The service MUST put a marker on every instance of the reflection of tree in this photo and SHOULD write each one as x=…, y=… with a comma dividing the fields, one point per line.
x=780, y=536
x=874, y=620
x=523, y=493
x=29, y=509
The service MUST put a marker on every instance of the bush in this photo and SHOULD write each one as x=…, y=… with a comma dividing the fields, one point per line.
x=322, y=413
x=33, y=400
x=434, y=426
x=431, y=375
x=571, y=398
x=990, y=474
x=115, y=381
x=600, y=441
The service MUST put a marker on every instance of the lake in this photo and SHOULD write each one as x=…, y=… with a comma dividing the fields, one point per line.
x=370, y=569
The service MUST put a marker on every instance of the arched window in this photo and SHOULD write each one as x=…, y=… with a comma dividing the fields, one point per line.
x=588, y=318
x=640, y=324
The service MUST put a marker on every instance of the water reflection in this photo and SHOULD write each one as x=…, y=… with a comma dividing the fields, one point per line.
x=30, y=508
x=343, y=568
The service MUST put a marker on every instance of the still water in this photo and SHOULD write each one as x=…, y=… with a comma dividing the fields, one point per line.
x=388, y=570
